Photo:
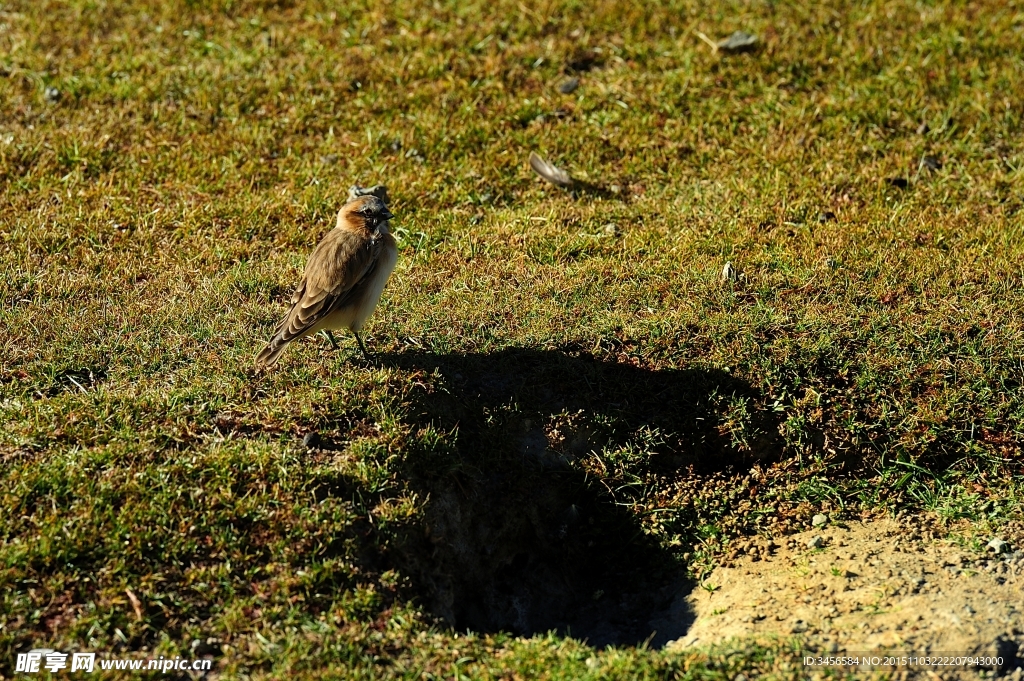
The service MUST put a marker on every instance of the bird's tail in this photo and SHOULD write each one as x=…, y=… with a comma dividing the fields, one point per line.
x=270, y=354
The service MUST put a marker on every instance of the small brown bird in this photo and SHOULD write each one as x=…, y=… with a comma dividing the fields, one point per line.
x=344, y=278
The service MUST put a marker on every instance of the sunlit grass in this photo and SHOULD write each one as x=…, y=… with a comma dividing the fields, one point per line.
x=158, y=209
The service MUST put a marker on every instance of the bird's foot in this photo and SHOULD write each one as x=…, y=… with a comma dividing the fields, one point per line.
x=330, y=336
x=368, y=358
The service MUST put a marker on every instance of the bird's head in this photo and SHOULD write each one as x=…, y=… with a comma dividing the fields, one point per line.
x=366, y=212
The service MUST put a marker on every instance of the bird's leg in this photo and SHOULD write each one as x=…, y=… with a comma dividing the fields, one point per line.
x=362, y=347
x=330, y=336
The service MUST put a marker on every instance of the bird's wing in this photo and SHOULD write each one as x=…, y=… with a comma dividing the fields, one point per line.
x=337, y=265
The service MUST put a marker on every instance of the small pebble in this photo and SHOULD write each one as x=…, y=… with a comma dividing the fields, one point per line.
x=816, y=542
x=311, y=440
x=997, y=545
x=567, y=87
x=819, y=520
x=739, y=41
x=379, y=190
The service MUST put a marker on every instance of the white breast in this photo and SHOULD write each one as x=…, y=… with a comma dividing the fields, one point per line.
x=375, y=287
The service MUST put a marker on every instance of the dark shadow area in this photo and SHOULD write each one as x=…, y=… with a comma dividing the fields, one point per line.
x=74, y=380
x=517, y=535
x=581, y=189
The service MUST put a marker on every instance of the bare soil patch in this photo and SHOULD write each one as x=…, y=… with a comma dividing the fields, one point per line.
x=878, y=586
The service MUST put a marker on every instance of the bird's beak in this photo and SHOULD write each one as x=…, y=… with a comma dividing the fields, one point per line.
x=387, y=215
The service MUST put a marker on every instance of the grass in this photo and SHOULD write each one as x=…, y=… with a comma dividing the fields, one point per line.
x=553, y=396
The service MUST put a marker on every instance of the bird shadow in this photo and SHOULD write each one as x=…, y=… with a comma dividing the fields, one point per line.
x=520, y=532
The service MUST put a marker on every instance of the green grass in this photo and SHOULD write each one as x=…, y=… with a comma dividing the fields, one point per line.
x=594, y=399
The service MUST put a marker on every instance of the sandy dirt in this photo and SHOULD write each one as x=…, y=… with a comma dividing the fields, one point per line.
x=869, y=587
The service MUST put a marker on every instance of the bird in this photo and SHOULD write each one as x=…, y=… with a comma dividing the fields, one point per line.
x=343, y=280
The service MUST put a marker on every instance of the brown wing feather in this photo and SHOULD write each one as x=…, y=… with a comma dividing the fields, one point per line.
x=337, y=265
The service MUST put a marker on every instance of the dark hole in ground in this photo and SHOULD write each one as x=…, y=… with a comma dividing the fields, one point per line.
x=516, y=536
